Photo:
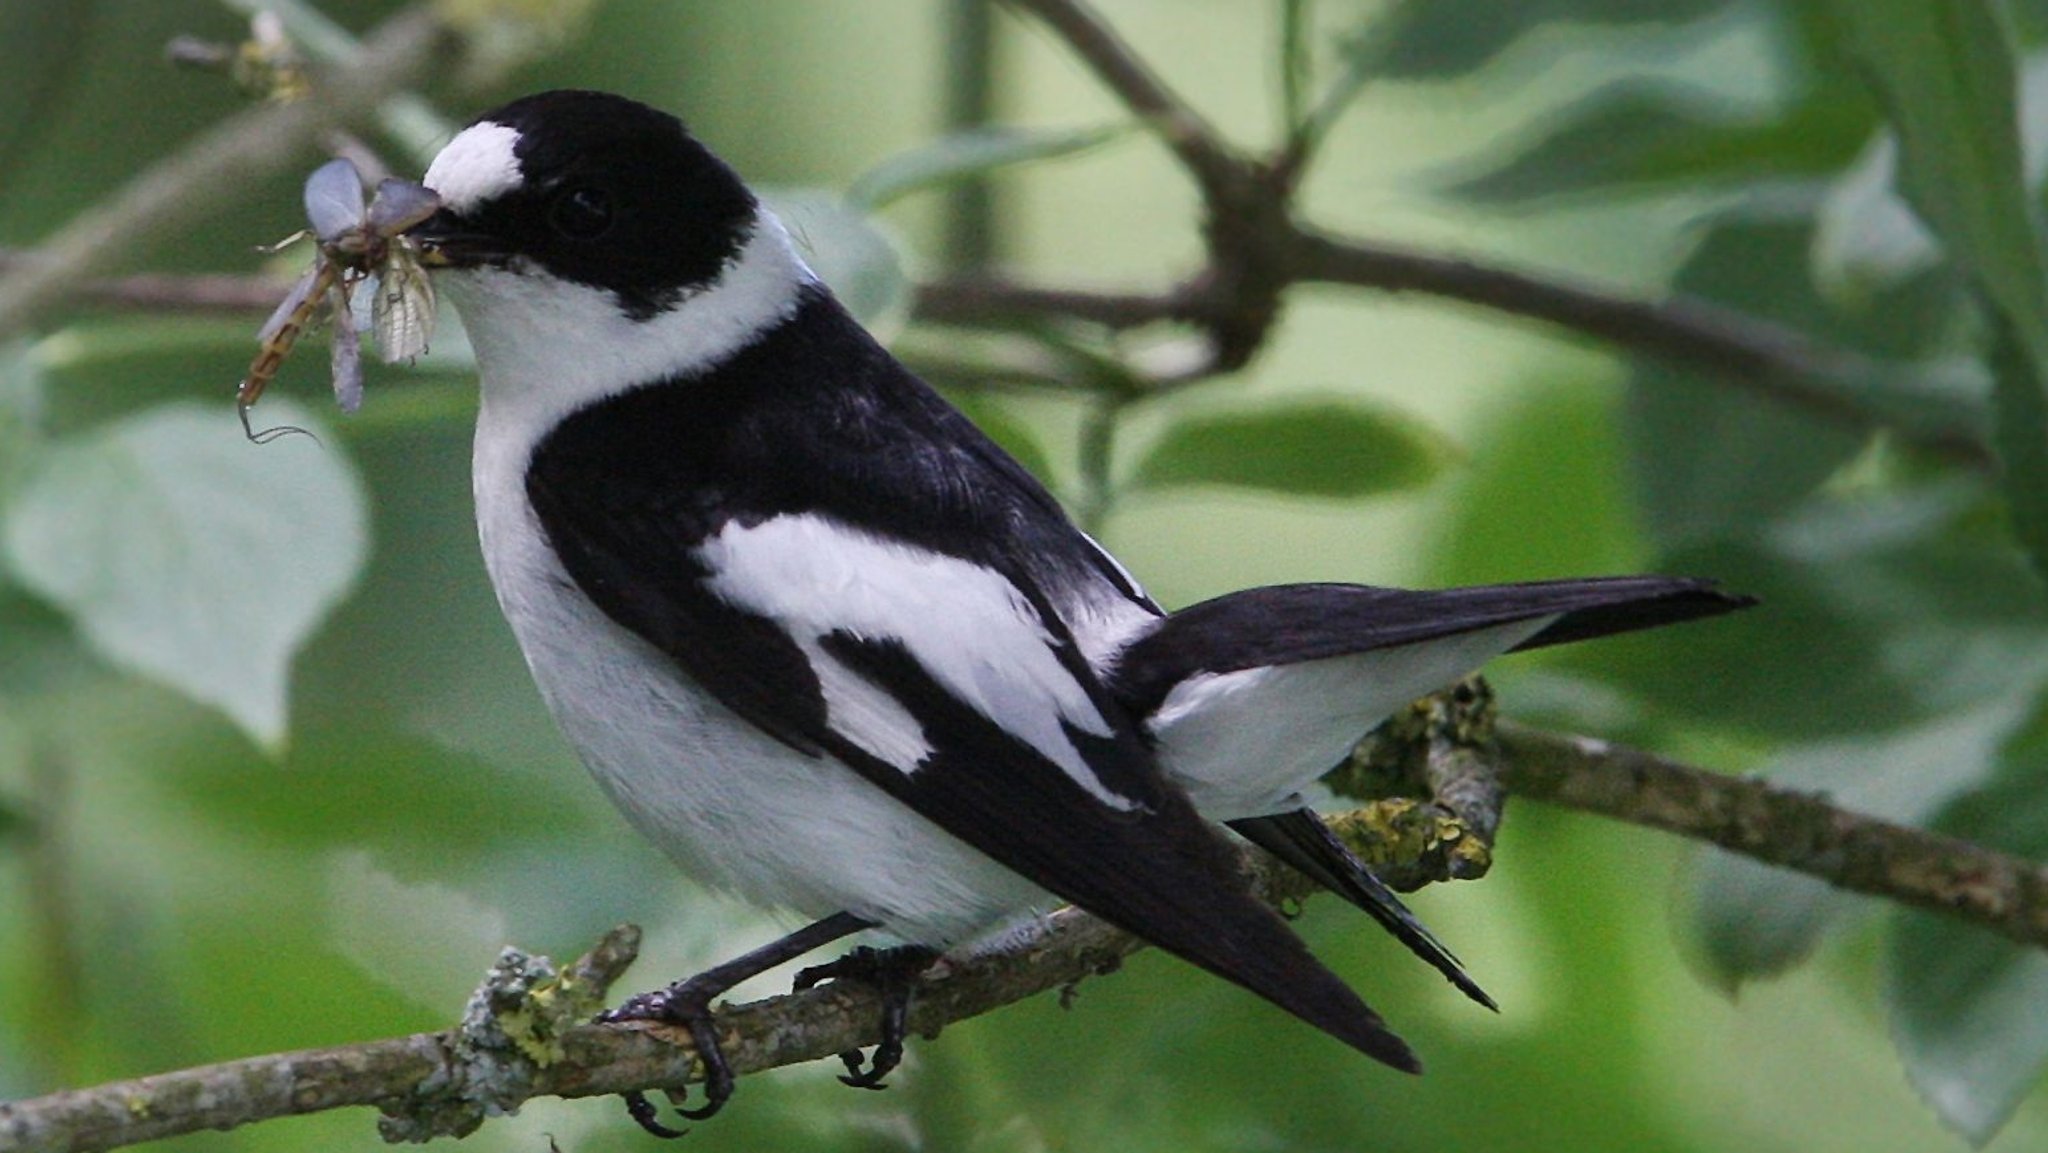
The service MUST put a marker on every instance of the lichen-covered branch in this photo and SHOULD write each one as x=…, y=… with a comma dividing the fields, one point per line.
x=1794, y=830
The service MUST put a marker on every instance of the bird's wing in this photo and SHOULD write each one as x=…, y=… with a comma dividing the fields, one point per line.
x=954, y=687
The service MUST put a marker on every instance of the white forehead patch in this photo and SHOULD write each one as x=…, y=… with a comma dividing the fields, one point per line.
x=476, y=167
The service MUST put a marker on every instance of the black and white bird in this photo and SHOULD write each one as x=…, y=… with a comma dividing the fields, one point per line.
x=832, y=650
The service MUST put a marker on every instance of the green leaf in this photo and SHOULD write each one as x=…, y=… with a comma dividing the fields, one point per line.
x=12, y=822
x=185, y=553
x=1634, y=138
x=1418, y=39
x=1015, y=437
x=848, y=251
x=1328, y=448
x=971, y=153
x=1947, y=76
x=1916, y=617
x=425, y=939
x=39, y=49
x=1708, y=461
x=1966, y=1004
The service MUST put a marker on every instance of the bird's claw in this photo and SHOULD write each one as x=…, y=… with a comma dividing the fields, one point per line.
x=686, y=1004
x=893, y=974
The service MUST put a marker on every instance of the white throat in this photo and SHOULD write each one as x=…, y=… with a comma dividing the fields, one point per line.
x=547, y=347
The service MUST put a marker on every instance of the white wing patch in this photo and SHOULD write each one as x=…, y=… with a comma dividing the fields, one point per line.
x=968, y=626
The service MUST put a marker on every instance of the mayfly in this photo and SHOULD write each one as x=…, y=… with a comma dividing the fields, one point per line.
x=357, y=241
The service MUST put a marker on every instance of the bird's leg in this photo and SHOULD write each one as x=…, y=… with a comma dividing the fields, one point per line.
x=893, y=973
x=687, y=1004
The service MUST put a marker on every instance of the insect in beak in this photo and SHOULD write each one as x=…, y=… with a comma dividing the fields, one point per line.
x=357, y=240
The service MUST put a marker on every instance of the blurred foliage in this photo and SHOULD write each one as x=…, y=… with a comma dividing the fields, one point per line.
x=203, y=857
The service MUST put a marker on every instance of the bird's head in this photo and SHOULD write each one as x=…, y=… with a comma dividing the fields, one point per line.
x=584, y=236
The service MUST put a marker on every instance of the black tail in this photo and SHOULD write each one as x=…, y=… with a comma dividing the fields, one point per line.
x=1302, y=840
x=1286, y=624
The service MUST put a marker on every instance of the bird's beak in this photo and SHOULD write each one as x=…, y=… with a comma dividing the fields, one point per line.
x=446, y=241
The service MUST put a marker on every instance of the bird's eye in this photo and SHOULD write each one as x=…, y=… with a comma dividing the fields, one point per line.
x=581, y=213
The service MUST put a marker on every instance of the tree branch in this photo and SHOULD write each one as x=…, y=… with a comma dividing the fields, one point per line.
x=1257, y=249
x=1800, y=831
x=1190, y=135
x=1775, y=361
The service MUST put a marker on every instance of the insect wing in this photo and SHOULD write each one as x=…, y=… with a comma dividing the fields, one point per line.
x=403, y=311
x=293, y=301
x=399, y=205
x=347, y=362
x=334, y=200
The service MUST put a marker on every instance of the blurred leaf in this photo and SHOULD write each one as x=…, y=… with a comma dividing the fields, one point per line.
x=338, y=786
x=1750, y=920
x=22, y=391
x=40, y=49
x=1635, y=138
x=1433, y=39
x=13, y=822
x=1870, y=235
x=1946, y=74
x=187, y=554
x=973, y=152
x=848, y=252
x=1867, y=235
x=1966, y=1004
x=1710, y=461
x=1329, y=448
x=2020, y=368
x=1015, y=437
x=1528, y=510
x=424, y=940
x=1878, y=613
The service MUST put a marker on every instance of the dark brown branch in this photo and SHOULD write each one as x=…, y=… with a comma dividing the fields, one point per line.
x=1775, y=361
x=1191, y=137
x=168, y=291
x=1257, y=249
x=1799, y=831
x=988, y=301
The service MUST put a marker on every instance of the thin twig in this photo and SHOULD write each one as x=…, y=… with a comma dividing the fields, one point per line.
x=204, y=292
x=1184, y=130
x=1782, y=363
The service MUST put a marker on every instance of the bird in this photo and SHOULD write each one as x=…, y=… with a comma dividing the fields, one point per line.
x=834, y=651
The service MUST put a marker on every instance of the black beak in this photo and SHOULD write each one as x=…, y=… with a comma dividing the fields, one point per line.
x=448, y=241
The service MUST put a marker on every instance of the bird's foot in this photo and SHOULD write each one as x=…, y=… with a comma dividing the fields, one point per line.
x=687, y=1005
x=891, y=972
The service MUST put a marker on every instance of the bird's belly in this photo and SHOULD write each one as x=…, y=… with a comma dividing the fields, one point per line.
x=735, y=808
